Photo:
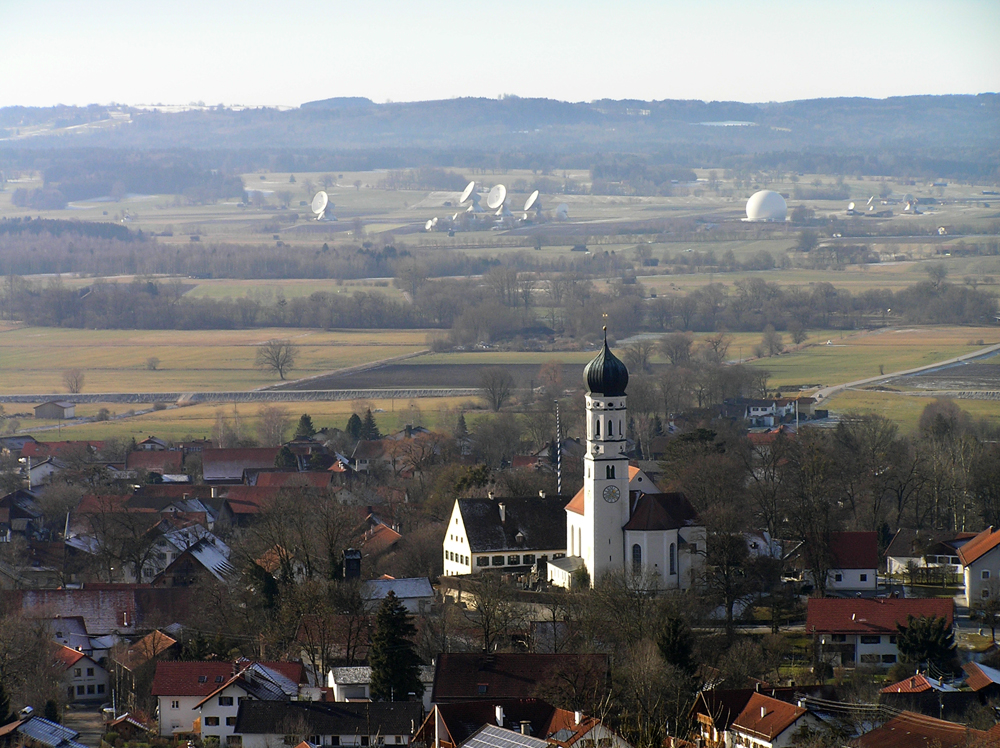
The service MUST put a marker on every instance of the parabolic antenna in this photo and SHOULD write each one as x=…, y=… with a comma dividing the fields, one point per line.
x=496, y=197
x=467, y=192
x=532, y=199
x=850, y=206
x=319, y=203
x=562, y=212
x=429, y=225
x=871, y=199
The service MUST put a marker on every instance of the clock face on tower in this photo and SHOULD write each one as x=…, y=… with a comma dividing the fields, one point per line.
x=612, y=494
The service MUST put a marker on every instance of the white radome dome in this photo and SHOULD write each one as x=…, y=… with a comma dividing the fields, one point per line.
x=766, y=205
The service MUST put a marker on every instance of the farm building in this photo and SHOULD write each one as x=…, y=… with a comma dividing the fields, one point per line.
x=55, y=409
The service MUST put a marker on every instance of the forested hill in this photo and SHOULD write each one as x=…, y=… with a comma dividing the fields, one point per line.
x=952, y=135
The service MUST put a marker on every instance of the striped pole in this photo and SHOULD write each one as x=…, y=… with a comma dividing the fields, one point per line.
x=558, y=452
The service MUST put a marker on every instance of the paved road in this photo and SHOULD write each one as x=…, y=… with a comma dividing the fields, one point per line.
x=88, y=722
x=826, y=392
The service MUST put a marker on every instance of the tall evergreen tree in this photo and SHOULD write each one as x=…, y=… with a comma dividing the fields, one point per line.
x=305, y=428
x=926, y=639
x=5, y=715
x=676, y=643
x=393, y=656
x=461, y=430
x=369, y=429
x=354, y=426
x=285, y=459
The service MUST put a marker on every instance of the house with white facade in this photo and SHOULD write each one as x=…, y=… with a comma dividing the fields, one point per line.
x=980, y=559
x=853, y=562
x=504, y=534
x=82, y=676
x=415, y=593
x=921, y=552
x=767, y=722
x=863, y=631
x=254, y=681
x=181, y=688
x=354, y=683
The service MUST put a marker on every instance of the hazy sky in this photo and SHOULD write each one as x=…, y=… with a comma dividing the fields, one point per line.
x=256, y=52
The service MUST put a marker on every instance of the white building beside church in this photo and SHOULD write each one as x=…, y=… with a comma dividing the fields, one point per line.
x=619, y=520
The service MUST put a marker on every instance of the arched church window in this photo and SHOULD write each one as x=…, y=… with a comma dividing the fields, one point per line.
x=636, y=558
x=673, y=559
x=597, y=427
x=610, y=472
x=611, y=427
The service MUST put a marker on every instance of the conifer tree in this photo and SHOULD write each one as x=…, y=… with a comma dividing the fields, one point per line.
x=354, y=426
x=285, y=459
x=926, y=639
x=305, y=428
x=394, y=661
x=369, y=429
x=461, y=430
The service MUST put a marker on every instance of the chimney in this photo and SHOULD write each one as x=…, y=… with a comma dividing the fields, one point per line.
x=503, y=512
x=489, y=495
x=215, y=492
x=541, y=494
x=499, y=713
x=763, y=712
x=577, y=717
x=801, y=703
x=525, y=727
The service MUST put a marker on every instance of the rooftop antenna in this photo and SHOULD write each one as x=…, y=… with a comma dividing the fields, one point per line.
x=319, y=203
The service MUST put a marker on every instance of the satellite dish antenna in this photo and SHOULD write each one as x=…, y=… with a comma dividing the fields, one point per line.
x=467, y=192
x=532, y=202
x=319, y=203
x=871, y=199
x=496, y=197
x=850, y=206
x=562, y=212
x=429, y=225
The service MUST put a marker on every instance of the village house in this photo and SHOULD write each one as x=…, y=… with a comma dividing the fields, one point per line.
x=83, y=678
x=980, y=559
x=261, y=724
x=863, y=631
x=923, y=554
x=472, y=676
x=766, y=722
x=354, y=683
x=504, y=534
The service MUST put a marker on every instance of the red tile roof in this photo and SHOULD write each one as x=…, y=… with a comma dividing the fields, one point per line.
x=171, y=462
x=871, y=616
x=979, y=546
x=854, y=550
x=912, y=730
x=380, y=538
x=200, y=678
x=767, y=718
x=722, y=706
x=42, y=450
x=66, y=657
x=980, y=676
x=913, y=684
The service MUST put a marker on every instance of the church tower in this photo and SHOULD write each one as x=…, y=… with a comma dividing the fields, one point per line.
x=600, y=539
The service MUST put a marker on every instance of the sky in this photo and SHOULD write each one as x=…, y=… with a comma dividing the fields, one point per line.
x=262, y=52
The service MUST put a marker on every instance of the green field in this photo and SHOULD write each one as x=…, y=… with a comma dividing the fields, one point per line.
x=32, y=360
x=905, y=410
x=197, y=421
x=851, y=357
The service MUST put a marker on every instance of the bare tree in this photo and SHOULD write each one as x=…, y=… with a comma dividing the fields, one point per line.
x=272, y=425
x=677, y=347
x=637, y=355
x=152, y=363
x=496, y=385
x=495, y=611
x=277, y=356
x=73, y=379
x=772, y=342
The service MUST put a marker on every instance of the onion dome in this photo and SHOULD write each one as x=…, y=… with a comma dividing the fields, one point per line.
x=606, y=375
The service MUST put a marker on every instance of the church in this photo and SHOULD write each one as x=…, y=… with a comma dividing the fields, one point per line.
x=619, y=520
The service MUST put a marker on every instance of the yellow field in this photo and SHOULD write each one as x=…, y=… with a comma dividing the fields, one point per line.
x=32, y=360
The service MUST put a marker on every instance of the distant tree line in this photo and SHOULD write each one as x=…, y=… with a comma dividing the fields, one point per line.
x=503, y=304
